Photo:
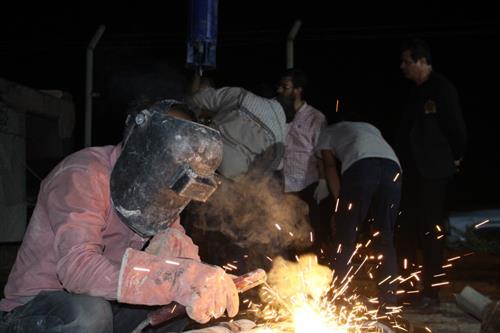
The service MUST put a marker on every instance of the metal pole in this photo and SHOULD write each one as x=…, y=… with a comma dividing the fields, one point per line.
x=289, y=43
x=89, y=83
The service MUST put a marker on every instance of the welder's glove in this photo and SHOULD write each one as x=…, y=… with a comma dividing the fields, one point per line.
x=206, y=291
x=321, y=191
x=173, y=242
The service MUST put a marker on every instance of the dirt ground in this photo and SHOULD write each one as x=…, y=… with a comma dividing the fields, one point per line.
x=479, y=271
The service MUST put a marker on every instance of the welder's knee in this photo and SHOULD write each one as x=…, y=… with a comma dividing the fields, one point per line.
x=91, y=314
x=60, y=311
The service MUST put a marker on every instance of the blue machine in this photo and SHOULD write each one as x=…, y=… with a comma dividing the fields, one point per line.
x=202, y=34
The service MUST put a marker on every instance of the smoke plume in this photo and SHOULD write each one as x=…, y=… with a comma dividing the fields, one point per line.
x=253, y=213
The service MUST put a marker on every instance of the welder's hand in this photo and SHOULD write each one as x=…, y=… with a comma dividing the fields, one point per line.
x=173, y=242
x=206, y=291
x=321, y=191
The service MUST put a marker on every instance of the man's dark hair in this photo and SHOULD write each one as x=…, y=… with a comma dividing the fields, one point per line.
x=298, y=78
x=418, y=49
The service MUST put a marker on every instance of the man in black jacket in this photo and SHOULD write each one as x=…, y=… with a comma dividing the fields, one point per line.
x=431, y=147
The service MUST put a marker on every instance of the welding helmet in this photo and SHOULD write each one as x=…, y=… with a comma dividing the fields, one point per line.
x=165, y=163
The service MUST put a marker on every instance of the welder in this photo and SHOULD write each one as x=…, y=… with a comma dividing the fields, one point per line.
x=81, y=267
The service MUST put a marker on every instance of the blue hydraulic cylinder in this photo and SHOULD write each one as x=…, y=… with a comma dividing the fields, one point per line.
x=202, y=34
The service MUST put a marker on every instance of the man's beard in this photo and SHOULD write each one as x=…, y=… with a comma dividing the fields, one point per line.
x=286, y=103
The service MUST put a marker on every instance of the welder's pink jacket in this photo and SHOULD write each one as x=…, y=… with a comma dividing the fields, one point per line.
x=75, y=240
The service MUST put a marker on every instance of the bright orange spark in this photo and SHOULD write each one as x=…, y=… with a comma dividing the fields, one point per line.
x=440, y=284
x=396, y=177
x=387, y=278
x=140, y=269
x=480, y=224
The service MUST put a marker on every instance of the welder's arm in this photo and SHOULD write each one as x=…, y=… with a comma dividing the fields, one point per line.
x=173, y=242
x=331, y=169
x=206, y=291
x=77, y=203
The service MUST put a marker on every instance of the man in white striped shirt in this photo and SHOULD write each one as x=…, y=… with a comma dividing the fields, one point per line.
x=253, y=134
x=300, y=165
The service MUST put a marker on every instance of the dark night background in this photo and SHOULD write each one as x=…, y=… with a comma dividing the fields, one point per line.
x=347, y=49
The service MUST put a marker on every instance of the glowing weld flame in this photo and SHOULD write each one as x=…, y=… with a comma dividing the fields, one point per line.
x=303, y=296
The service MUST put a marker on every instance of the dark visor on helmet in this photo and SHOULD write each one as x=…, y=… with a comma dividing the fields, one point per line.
x=189, y=185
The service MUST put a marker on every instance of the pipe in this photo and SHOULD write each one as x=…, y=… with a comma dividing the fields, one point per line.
x=89, y=83
x=289, y=43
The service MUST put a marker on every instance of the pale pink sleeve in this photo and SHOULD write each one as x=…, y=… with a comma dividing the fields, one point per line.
x=77, y=203
x=173, y=242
